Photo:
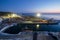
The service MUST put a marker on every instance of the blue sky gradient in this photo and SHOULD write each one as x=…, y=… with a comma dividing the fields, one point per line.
x=30, y=5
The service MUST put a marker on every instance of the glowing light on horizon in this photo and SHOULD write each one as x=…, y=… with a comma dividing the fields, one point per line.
x=15, y=15
x=38, y=15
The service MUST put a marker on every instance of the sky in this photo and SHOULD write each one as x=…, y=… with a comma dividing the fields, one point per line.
x=30, y=5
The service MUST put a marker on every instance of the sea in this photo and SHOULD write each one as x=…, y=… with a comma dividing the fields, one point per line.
x=50, y=28
x=55, y=16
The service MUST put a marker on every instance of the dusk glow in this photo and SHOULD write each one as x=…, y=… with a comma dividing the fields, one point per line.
x=30, y=5
x=38, y=14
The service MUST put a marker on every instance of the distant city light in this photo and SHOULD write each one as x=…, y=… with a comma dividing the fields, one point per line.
x=14, y=15
x=11, y=16
x=38, y=14
x=37, y=26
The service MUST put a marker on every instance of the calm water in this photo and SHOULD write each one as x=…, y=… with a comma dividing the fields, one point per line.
x=53, y=28
x=49, y=28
